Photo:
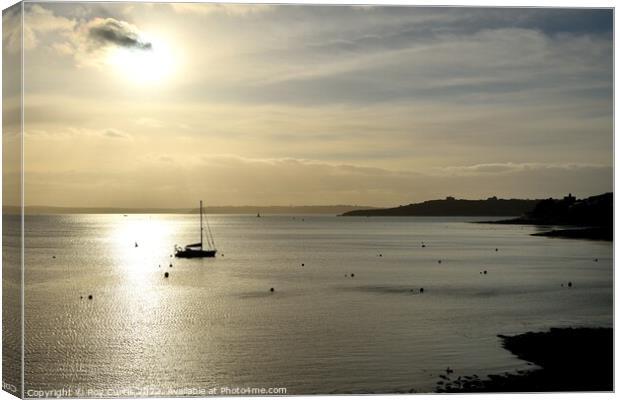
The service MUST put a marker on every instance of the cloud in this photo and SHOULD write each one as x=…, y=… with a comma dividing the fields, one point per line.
x=487, y=65
x=115, y=134
x=40, y=22
x=511, y=168
x=12, y=29
x=72, y=134
x=236, y=180
x=227, y=9
x=86, y=39
x=44, y=20
x=110, y=31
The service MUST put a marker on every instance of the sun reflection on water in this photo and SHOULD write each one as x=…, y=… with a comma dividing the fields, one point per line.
x=142, y=247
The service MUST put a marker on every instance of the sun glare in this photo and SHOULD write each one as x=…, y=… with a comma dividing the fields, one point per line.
x=144, y=67
x=141, y=242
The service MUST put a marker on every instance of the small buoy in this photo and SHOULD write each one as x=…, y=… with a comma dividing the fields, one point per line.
x=352, y=275
x=303, y=265
x=380, y=255
x=136, y=244
x=81, y=297
x=439, y=261
x=421, y=290
x=595, y=260
x=423, y=245
x=570, y=284
x=222, y=254
x=159, y=266
x=272, y=290
x=496, y=249
x=90, y=297
x=166, y=275
x=485, y=271
x=170, y=265
x=53, y=256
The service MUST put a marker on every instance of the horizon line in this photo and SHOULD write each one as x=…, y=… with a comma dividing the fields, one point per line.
x=120, y=208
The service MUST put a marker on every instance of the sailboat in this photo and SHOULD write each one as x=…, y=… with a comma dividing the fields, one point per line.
x=197, y=250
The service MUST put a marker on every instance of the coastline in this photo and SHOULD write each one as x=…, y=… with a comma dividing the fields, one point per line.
x=603, y=233
x=570, y=359
x=590, y=233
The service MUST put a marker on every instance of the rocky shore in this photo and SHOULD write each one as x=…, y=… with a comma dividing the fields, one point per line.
x=570, y=359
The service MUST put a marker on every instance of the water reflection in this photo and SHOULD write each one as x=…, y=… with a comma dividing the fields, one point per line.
x=141, y=242
x=214, y=322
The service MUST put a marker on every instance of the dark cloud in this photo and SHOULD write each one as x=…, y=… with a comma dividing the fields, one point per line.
x=119, y=33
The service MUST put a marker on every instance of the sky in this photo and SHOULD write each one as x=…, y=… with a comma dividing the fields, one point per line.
x=159, y=105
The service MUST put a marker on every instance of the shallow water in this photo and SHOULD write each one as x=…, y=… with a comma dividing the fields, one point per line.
x=214, y=323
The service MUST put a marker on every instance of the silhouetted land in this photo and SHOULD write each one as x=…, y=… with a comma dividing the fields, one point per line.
x=570, y=359
x=590, y=218
x=599, y=233
x=451, y=207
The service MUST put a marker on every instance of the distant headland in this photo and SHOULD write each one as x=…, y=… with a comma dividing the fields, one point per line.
x=589, y=218
x=452, y=207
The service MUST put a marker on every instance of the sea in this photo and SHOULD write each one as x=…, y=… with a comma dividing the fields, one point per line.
x=359, y=305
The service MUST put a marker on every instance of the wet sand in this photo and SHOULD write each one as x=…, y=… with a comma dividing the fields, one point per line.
x=570, y=359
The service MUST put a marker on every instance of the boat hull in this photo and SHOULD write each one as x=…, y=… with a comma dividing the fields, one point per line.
x=186, y=253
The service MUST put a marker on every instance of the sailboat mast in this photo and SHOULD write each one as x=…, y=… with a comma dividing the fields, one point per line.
x=200, y=224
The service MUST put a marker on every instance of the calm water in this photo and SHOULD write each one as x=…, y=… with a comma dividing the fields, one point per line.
x=214, y=323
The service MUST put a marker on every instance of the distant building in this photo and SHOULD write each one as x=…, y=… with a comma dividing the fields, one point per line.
x=570, y=198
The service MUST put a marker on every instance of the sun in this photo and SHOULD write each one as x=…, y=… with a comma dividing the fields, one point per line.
x=144, y=66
